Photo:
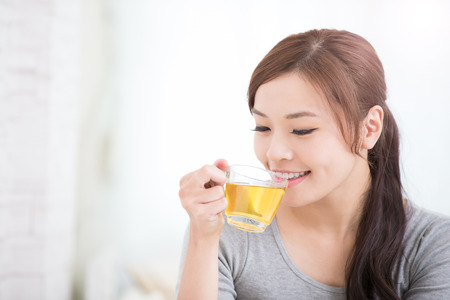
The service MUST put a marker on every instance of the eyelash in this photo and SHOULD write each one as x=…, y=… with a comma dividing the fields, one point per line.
x=295, y=131
x=303, y=131
x=261, y=128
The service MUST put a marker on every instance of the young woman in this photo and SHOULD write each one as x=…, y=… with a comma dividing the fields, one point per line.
x=343, y=229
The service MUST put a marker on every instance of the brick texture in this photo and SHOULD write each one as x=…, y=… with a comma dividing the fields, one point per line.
x=39, y=69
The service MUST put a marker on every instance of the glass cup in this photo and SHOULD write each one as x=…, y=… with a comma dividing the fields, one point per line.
x=254, y=195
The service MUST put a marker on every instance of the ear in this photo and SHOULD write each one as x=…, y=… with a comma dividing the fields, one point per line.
x=372, y=127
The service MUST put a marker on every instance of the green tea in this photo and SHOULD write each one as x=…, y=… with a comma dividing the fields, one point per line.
x=250, y=205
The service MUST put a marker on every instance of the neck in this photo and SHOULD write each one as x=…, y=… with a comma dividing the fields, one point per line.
x=336, y=216
x=326, y=218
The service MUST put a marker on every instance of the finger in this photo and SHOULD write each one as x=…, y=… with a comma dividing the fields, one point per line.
x=186, y=178
x=211, y=210
x=210, y=173
x=221, y=164
x=212, y=194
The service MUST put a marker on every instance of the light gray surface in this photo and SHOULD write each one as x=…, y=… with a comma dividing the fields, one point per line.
x=257, y=266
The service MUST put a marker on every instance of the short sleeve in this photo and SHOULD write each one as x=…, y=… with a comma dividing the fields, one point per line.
x=226, y=282
x=233, y=251
x=430, y=269
x=231, y=259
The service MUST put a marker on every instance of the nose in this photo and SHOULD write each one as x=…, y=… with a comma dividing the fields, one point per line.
x=279, y=148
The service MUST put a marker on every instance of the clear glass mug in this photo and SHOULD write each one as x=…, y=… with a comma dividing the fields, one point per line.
x=254, y=195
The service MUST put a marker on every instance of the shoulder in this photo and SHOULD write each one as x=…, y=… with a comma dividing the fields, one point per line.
x=238, y=248
x=425, y=226
x=238, y=242
x=233, y=240
x=233, y=250
x=426, y=259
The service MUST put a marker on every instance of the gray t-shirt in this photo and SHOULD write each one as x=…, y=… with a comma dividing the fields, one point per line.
x=257, y=265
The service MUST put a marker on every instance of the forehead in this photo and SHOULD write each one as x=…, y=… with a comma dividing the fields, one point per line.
x=290, y=93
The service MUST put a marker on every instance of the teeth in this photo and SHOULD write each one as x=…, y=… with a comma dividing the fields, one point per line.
x=291, y=175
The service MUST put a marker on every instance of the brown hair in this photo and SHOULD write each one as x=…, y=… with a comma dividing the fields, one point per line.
x=346, y=68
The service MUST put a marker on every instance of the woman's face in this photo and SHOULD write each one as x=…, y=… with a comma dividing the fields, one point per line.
x=297, y=136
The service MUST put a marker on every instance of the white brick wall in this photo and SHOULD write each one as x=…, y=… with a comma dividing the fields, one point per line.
x=39, y=69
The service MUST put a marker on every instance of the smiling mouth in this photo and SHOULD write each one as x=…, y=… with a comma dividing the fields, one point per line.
x=291, y=176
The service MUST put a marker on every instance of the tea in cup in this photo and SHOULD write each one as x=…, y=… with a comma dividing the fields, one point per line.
x=254, y=195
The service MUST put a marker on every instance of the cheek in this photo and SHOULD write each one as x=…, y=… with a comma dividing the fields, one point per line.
x=333, y=159
x=260, y=148
x=325, y=153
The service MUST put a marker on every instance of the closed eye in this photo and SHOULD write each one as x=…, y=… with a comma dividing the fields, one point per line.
x=303, y=131
x=261, y=129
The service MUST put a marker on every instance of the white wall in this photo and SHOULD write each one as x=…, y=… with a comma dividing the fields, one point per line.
x=39, y=52
x=178, y=84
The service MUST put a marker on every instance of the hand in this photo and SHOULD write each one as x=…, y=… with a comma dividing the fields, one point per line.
x=203, y=197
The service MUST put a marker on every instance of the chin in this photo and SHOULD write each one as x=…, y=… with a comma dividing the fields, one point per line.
x=293, y=201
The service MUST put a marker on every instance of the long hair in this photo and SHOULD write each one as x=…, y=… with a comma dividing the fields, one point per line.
x=346, y=68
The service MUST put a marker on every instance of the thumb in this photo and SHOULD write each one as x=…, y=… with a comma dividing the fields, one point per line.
x=221, y=164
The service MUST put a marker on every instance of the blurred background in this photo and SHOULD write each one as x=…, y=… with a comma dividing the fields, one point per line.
x=106, y=104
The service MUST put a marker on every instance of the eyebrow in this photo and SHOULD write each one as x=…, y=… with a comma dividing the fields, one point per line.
x=289, y=116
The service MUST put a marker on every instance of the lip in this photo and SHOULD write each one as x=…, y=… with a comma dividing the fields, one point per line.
x=295, y=181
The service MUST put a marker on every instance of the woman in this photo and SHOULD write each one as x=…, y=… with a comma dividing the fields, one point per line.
x=343, y=230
